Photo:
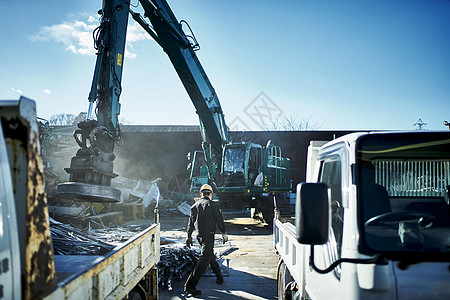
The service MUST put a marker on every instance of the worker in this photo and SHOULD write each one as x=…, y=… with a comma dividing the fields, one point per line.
x=205, y=216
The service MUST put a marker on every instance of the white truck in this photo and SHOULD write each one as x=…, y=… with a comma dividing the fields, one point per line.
x=28, y=267
x=371, y=222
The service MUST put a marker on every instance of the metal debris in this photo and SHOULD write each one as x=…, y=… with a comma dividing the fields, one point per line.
x=115, y=235
x=176, y=261
x=174, y=264
x=227, y=251
x=68, y=240
x=184, y=208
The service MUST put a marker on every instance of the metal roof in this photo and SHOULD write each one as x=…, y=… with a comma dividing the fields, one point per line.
x=159, y=128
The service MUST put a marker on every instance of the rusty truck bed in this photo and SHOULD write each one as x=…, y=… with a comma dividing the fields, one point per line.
x=111, y=276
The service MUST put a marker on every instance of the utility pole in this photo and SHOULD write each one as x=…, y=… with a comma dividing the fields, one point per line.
x=420, y=124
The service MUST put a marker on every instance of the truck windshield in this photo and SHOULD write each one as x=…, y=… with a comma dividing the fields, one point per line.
x=403, y=181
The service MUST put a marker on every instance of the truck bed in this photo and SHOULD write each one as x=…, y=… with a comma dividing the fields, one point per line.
x=111, y=276
x=290, y=250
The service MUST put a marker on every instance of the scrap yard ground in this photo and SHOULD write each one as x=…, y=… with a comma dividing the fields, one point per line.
x=253, y=266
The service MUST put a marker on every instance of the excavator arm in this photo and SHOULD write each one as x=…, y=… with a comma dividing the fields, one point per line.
x=91, y=169
x=109, y=41
x=168, y=33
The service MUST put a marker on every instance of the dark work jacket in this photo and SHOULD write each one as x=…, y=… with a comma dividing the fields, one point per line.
x=205, y=215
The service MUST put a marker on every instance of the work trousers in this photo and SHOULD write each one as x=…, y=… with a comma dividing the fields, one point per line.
x=206, y=258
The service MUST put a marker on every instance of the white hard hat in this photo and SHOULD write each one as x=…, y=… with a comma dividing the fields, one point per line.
x=206, y=187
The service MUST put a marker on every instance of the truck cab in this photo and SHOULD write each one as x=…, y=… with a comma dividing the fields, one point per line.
x=373, y=220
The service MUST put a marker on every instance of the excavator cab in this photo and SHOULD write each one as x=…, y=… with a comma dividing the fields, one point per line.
x=245, y=168
x=241, y=164
x=240, y=167
x=234, y=165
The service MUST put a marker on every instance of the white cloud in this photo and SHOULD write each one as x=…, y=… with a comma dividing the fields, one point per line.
x=16, y=91
x=76, y=36
x=47, y=91
x=135, y=33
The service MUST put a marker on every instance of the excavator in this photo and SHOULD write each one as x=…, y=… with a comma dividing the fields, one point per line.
x=243, y=173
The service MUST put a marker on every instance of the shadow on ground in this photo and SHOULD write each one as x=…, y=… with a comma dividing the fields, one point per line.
x=239, y=285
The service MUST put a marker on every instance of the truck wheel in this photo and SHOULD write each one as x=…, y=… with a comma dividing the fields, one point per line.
x=134, y=295
x=283, y=278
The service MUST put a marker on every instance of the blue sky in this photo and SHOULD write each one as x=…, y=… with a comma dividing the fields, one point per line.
x=340, y=64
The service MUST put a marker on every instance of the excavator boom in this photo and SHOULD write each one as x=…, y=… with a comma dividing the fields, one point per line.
x=180, y=49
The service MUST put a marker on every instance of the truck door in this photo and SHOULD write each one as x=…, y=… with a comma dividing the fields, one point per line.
x=254, y=164
x=331, y=174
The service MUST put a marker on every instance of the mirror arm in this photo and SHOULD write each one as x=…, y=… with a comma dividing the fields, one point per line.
x=377, y=259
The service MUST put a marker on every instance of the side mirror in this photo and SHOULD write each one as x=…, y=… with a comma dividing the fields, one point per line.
x=312, y=211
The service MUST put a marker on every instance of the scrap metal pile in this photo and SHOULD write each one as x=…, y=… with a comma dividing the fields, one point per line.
x=174, y=264
x=115, y=235
x=176, y=261
x=68, y=240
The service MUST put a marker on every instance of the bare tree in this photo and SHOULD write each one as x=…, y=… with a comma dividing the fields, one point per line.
x=420, y=125
x=69, y=119
x=81, y=117
x=123, y=121
x=61, y=119
x=292, y=122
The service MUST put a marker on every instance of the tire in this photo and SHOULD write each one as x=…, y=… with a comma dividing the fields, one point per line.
x=283, y=278
x=134, y=296
x=137, y=293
